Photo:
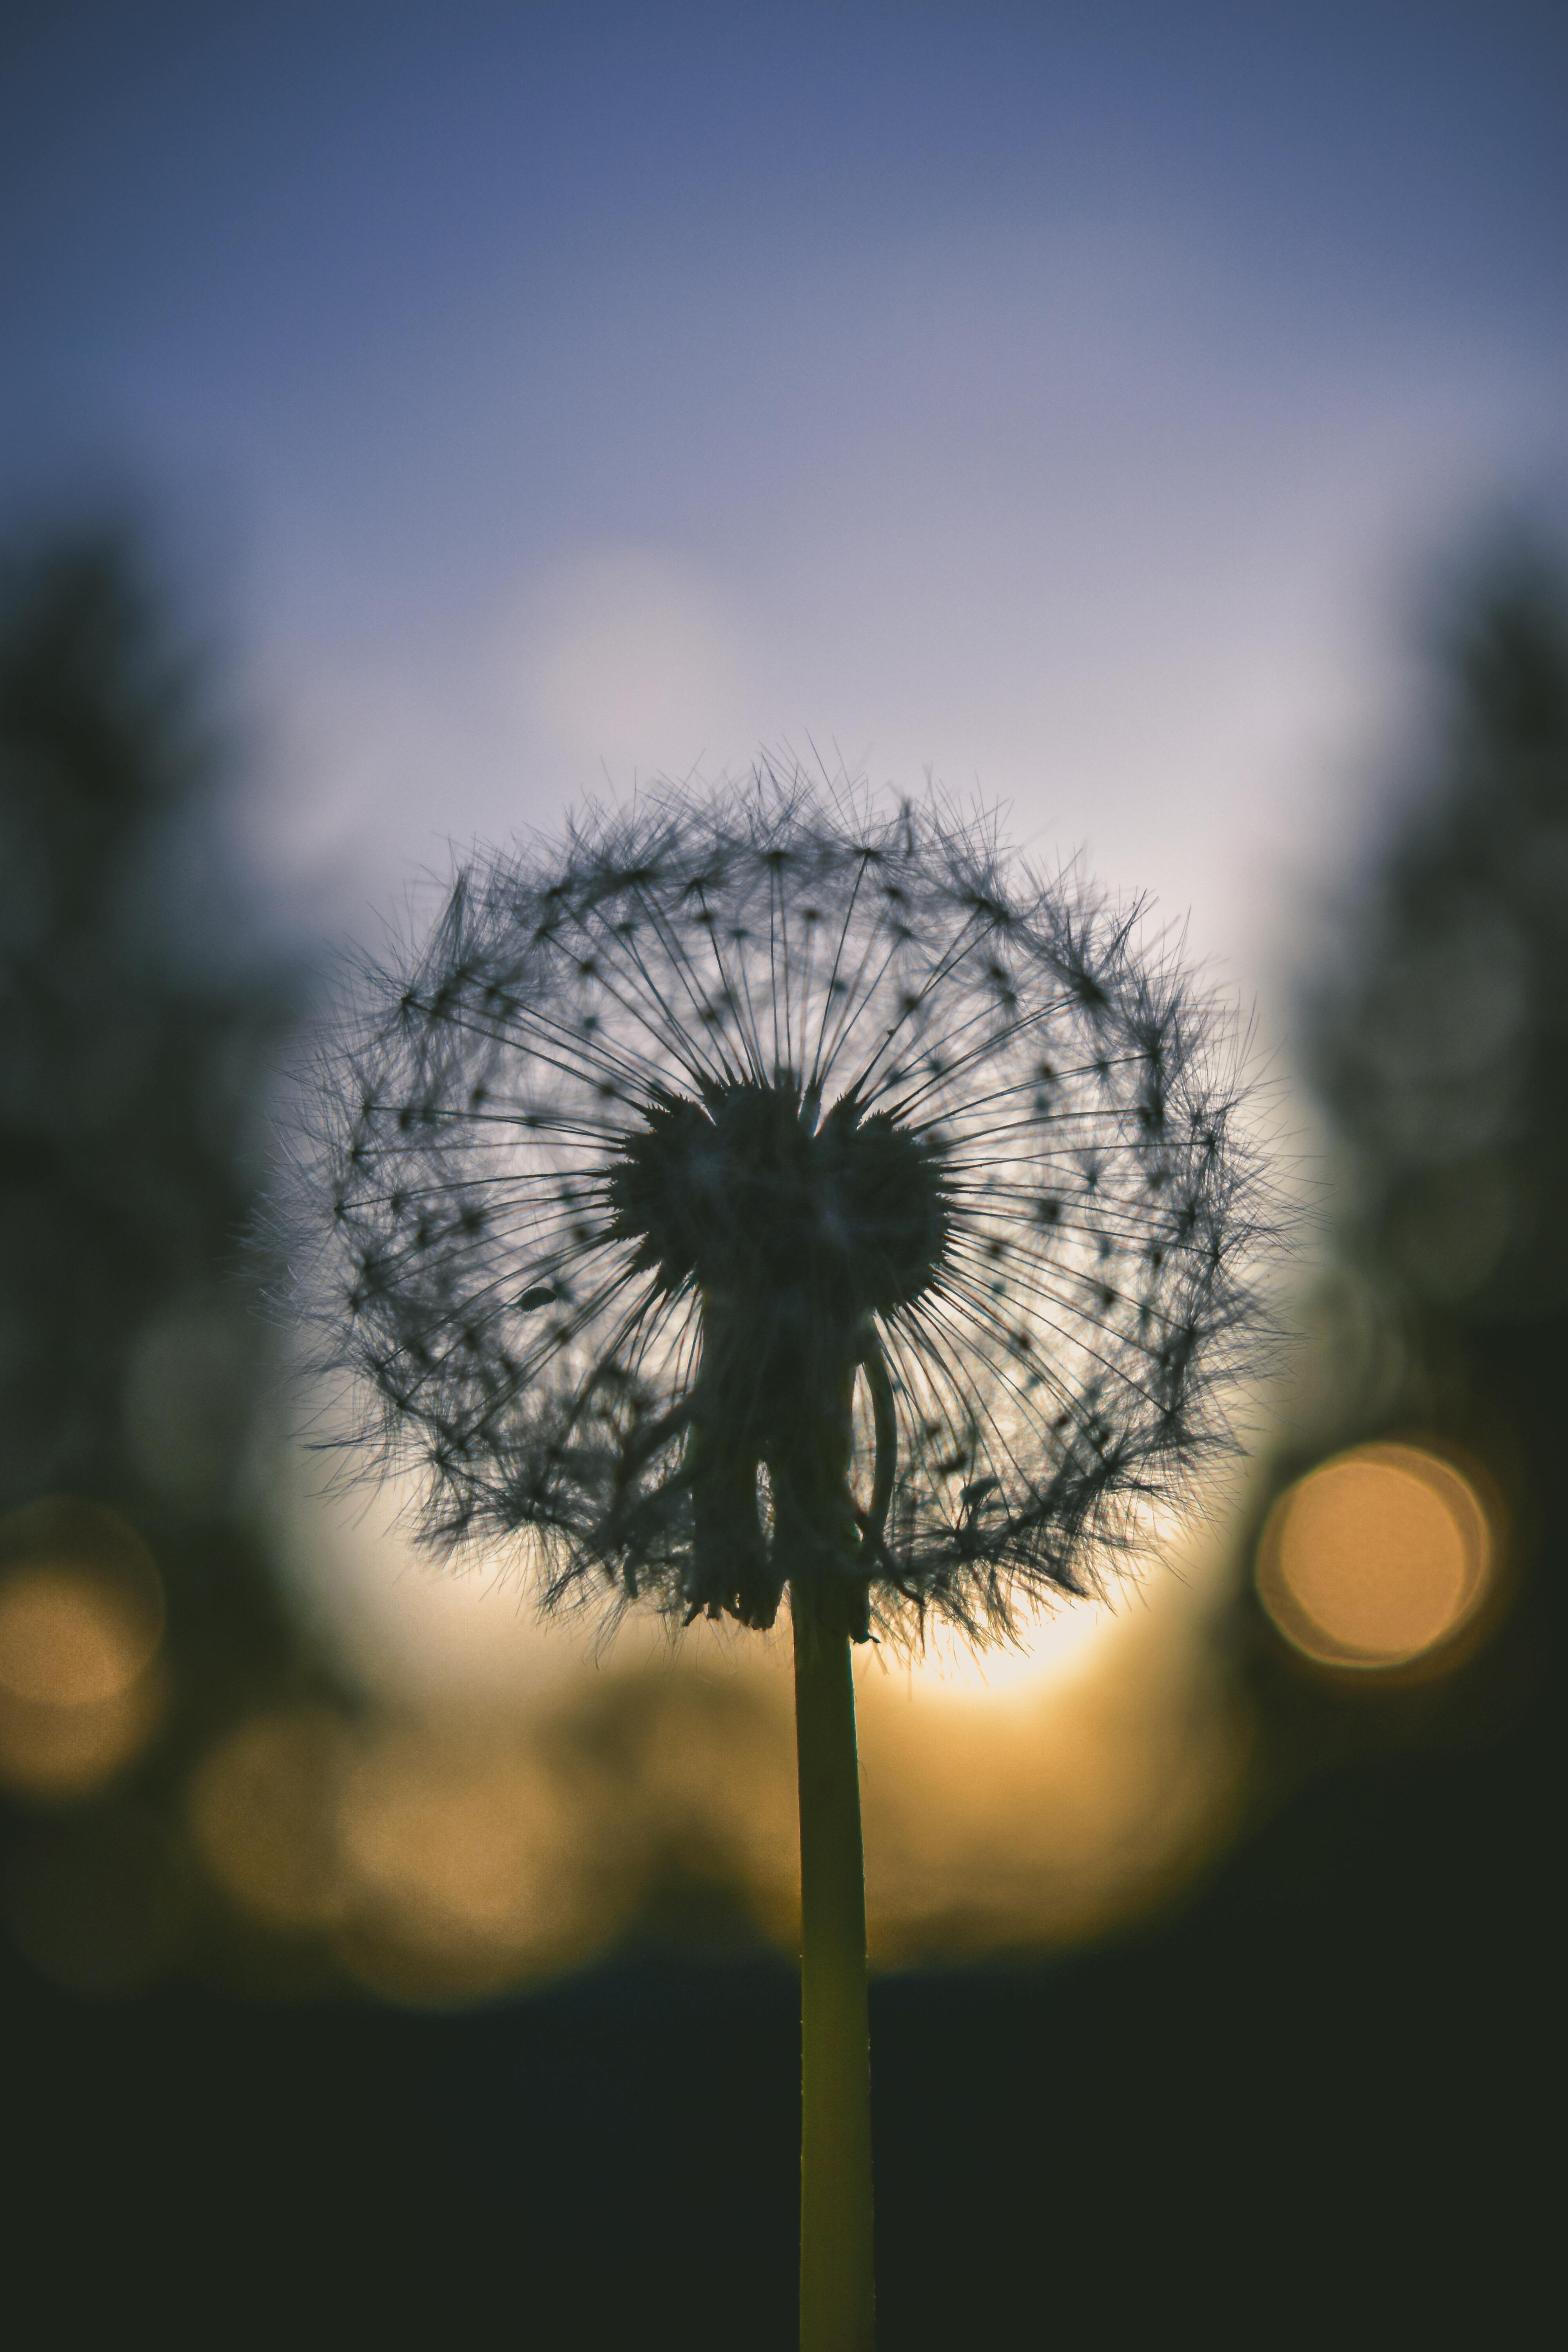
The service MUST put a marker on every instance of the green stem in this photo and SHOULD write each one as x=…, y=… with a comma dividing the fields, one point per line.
x=837, y=2310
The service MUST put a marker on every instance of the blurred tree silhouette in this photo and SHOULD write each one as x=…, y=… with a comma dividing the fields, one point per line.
x=1435, y=1037
x=1440, y=1048
x=135, y=1046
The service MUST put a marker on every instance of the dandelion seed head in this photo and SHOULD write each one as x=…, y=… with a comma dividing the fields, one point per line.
x=760, y=1184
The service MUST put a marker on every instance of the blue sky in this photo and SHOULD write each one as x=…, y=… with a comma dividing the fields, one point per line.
x=1063, y=399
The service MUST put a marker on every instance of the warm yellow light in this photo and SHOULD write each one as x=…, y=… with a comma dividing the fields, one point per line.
x=82, y=1618
x=69, y=1639
x=1046, y=1819
x=69, y=1751
x=443, y=1860
x=508, y=1800
x=261, y=1816
x=1376, y=1558
x=465, y=1865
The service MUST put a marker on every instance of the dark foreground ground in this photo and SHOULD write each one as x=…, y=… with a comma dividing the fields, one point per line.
x=1318, y=2104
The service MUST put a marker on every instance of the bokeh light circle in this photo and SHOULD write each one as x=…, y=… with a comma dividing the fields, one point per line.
x=259, y=1813
x=81, y=1625
x=1377, y=1558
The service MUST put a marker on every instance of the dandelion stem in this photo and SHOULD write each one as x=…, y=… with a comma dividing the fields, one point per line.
x=837, y=2291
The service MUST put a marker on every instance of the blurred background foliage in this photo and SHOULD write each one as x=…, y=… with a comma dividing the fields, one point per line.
x=1438, y=1031
x=1433, y=1034
x=139, y=1037
x=202, y=1794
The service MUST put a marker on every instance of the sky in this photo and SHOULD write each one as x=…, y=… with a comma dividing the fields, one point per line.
x=1066, y=403
x=1072, y=404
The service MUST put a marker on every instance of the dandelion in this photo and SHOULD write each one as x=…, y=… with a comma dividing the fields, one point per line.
x=772, y=1193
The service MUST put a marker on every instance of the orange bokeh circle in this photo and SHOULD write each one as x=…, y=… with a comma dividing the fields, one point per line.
x=1377, y=1558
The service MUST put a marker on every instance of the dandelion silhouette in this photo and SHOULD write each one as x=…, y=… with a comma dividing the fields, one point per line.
x=767, y=1192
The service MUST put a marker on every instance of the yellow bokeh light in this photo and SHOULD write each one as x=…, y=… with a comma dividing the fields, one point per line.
x=443, y=1860
x=69, y=1638
x=81, y=1619
x=1048, y=1819
x=467, y=1865
x=448, y=1855
x=1377, y=1558
x=69, y=1751
x=513, y=1793
x=261, y=1816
